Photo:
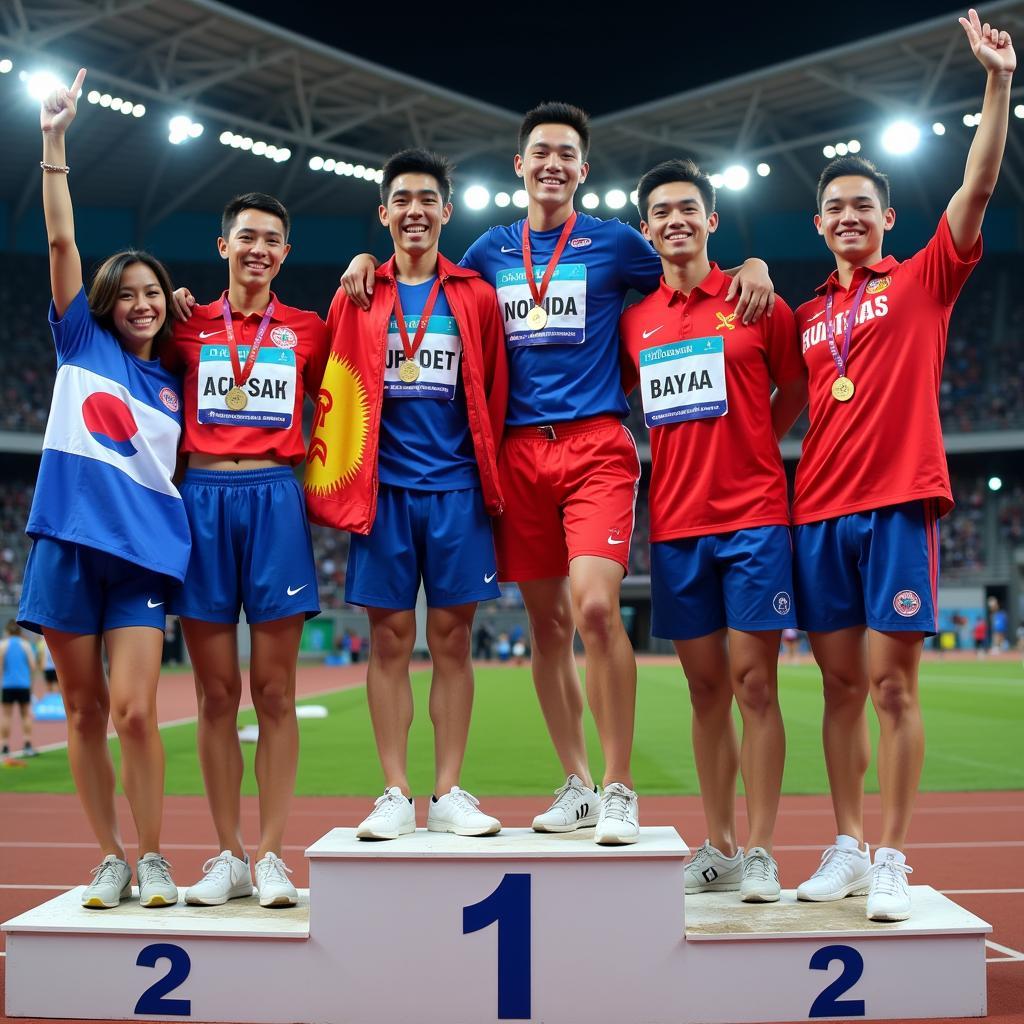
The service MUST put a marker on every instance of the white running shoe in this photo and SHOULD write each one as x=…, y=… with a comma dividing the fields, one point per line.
x=845, y=870
x=272, y=882
x=225, y=877
x=889, y=896
x=575, y=807
x=760, y=877
x=618, y=821
x=111, y=883
x=393, y=815
x=709, y=870
x=458, y=811
x=156, y=887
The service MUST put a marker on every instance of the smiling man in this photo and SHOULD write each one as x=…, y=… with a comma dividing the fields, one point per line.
x=430, y=356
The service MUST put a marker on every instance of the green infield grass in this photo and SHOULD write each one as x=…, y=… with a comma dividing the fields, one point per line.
x=974, y=712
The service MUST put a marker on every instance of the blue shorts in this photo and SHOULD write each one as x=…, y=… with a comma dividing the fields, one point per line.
x=442, y=536
x=77, y=589
x=877, y=568
x=251, y=547
x=742, y=579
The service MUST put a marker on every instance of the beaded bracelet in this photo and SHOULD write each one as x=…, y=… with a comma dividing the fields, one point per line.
x=54, y=168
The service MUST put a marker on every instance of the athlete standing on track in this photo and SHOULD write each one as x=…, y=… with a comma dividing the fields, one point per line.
x=721, y=555
x=568, y=466
x=867, y=501
x=19, y=662
x=248, y=360
x=110, y=535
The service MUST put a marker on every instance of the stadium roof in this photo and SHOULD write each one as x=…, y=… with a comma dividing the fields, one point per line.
x=238, y=74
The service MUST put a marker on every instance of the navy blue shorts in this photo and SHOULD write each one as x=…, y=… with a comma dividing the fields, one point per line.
x=251, y=547
x=77, y=589
x=742, y=579
x=443, y=537
x=878, y=569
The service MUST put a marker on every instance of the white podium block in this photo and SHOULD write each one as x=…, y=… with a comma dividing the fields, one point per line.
x=436, y=928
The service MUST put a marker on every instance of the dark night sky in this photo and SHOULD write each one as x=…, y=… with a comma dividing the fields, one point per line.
x=517, y=54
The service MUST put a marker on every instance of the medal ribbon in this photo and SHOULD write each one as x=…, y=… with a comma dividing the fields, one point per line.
x=830, y=327
x=411, y=348
x=538, y=293
x=241, y=373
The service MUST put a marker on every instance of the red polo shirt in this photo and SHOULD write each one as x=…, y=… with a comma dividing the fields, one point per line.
x=290, y=364
x=884, y=446
x=721, y=473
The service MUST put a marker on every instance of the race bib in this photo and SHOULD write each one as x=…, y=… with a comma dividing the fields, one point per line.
x=438, y=358
x=683, y=380
x=270, y=389
x=565, y=303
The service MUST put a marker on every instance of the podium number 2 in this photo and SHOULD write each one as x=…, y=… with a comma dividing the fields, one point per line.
x=152, y=1001
x=509, y=905
x=828, y=1004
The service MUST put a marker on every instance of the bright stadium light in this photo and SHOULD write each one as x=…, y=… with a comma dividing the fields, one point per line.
x=853, y=145
x=6, y=66
x=476, y=197
x=590, y=200
x=764, y=170
x=736, y=177
x=842, y=149
x=717, y=180
x=939, y=128
x=225, y=138
x=339, y=169
x=520, y=199
x=995, y=483
x=634, y=197
x=900, y=138
x=615, y=198
x=127, y=108
x=828, y=152
x=1018, y=111
x=259, y=147
x=94, y=96
x=140, y=110
x=329, y=164
x=41, y=83
x=502, y=199
x=106, y=99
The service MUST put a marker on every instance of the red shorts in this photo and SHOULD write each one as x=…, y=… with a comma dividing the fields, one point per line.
x=570, y=490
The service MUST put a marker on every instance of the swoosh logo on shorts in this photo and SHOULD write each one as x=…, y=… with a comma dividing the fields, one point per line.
x=208, y=334
x=292, y=593
x=153, y=604
x=487, y=579
x=647, y=334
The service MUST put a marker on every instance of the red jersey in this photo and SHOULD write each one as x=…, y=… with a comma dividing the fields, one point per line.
x=884, y=446
x=707, y=377
x=290, y=364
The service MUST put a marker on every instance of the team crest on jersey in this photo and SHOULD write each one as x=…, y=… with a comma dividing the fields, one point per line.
x=284, y=337
x=782, y=602
x=170, y=399
x=907, y=603
x=725, y=322
x=878, y=284
x=580, y=243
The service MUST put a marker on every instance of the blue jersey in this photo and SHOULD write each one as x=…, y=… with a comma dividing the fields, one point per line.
x=17, y=664
x=110, y=449
x=570, y=369
x=425, y=442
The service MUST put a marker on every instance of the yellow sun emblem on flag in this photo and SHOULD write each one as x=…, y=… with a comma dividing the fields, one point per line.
x=338, y=440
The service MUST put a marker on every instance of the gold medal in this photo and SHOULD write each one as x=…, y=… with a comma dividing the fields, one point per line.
x=842, y=389
x=408, y=371
x=236, y=399
x=537, y=318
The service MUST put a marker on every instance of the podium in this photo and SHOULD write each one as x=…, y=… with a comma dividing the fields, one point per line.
x=441, y=929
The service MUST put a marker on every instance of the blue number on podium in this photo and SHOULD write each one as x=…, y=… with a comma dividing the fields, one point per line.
x=828, y=1004
x=509, y=905
x=152, y=1000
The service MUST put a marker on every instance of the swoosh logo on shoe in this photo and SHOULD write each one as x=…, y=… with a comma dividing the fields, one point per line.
x=153, y=604
x=292, y=593
x=647, y=334
x=487, y=579
x=208, y=334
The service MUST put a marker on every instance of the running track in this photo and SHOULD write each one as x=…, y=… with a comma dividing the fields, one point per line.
x=968, y=845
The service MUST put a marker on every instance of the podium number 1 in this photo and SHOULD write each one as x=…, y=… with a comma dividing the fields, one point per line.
x=509, y=905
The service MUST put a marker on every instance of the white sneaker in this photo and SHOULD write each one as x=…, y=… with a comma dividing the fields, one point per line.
x=760, y=877
x=709, y=870
x=272, y=882
x=393, y=815
x=111, y=883
x=889, y=896
x=458, y=811
x=575, y=807
x=225, y=877
x=156, y=887
x=618, y=819
x=845, y=870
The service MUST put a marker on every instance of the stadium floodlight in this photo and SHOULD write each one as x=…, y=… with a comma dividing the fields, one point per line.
x=901, y=138
x=842, y=149
x=378, y=178
x=329, y=164
x=339, y=169
x=116, y=103
x=717, y=180
x=615, y=198
x=476, y=197
x=358, y=170
x=502, y=199
x=763, y=170
x=736, y=177
x=853, y=145
x=106, y=99
x=226, y=137
x=195, y=129
x=40, y=84
x=6, y=66
x=1018, y=111
x=520, y=199
x=140, y=110
x=590, y=200
x=634, y=197
x=127, y=108
x=828, y=152
x=939, y=128
x=94, y=96
x=995, y=483
x=259, y=147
